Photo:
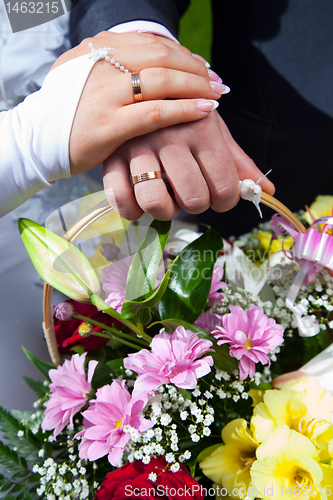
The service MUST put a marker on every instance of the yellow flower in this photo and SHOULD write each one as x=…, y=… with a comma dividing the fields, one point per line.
x=265, y=238
x=304, y=406
x=287, y=466
x=229, y=465
x=257, y=396
x=321, y=207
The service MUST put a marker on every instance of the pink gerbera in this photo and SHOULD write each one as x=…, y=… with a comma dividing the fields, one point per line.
x=115, y=278
x=208, y=321
x=104, y=421
x=251, y=336
x=70, y=388
x=217, y=284
x=173, y=360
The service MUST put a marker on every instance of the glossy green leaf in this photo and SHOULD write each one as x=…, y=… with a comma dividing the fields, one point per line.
x=222, y=359
x=189, y=285
x=131, y=307
x=141, y=278
x=58, y=262
x=142, y=273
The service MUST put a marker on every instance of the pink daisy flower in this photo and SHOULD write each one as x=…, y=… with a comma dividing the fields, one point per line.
x=115, y=278
x=70, y=388
x=251, y=336
x=104, y=421
x=173, y=360
x=208, y=321
x=215, y=296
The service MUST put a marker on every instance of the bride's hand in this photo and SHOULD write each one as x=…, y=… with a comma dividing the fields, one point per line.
x=174, y=84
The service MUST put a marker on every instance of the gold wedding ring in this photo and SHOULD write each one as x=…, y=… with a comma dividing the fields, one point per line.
x=147, y=176
x=136, y=87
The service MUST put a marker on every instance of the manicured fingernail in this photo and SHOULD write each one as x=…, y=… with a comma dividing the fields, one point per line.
x=219, y=88
x=207, y=105
x=214, y=77
x=206, y=63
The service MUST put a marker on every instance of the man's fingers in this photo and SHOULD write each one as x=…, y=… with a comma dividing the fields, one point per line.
x=188, y=184
x=118, y=188
x=152, y=195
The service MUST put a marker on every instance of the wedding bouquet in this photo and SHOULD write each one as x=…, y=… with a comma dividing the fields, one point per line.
x=194, y=367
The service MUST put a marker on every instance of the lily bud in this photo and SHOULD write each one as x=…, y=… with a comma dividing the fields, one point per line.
x=58, y=262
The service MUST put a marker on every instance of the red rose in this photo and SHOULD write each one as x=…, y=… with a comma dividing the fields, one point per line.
x=67, y=331
x=132, y=481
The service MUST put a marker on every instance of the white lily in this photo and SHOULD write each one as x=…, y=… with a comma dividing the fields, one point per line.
x=58, y=262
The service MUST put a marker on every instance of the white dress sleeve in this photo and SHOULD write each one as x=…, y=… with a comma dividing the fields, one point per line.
x=34, y=136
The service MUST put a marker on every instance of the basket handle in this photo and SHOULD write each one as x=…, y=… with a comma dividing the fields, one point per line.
x=77, y=228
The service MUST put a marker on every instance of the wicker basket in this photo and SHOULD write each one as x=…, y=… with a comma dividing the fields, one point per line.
x=89, y=218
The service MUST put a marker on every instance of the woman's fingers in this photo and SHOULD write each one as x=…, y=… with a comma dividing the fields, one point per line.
x=163, y=83
x=153, y=115
x=157, y=55
x=91, y=145
x=155, y=84
x=130, y=51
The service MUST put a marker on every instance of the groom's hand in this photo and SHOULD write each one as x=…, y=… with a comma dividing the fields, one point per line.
x=201, y=161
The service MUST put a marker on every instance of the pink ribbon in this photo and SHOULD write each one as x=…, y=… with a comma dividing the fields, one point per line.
x=313, y=250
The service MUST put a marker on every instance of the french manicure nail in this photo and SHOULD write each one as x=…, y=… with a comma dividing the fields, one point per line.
x=214, y=76
x=219, y=88
x=226, y=89
x=206, y=63
x=207, y=105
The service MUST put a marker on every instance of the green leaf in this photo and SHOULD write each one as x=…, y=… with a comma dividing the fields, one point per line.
x=142, y=273
x=10, y=460
x=222, y=359
x=58, y=262
x=78, y=349
x=143, y=316
x=41, y=365
x=208, y=451
x=105, y=373
x=28, y=445
x=131, y=307
x=37, y=386
x=141, y=278
x=189, y=285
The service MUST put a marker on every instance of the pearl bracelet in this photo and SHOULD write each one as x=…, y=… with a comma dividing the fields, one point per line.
x=103, y=53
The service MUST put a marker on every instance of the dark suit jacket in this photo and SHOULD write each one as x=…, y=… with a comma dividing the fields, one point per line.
x=277, y=57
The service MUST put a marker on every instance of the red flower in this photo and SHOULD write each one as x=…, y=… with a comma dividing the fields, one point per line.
x=67, y=331
x=132, y=481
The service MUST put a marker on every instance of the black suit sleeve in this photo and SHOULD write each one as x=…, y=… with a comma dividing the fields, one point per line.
x=89, y=17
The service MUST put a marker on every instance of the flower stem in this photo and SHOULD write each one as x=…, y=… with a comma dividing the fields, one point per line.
x=112, y=329
x=103, y=306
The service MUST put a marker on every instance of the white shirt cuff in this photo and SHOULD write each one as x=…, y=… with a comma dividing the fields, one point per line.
x=155, y=28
